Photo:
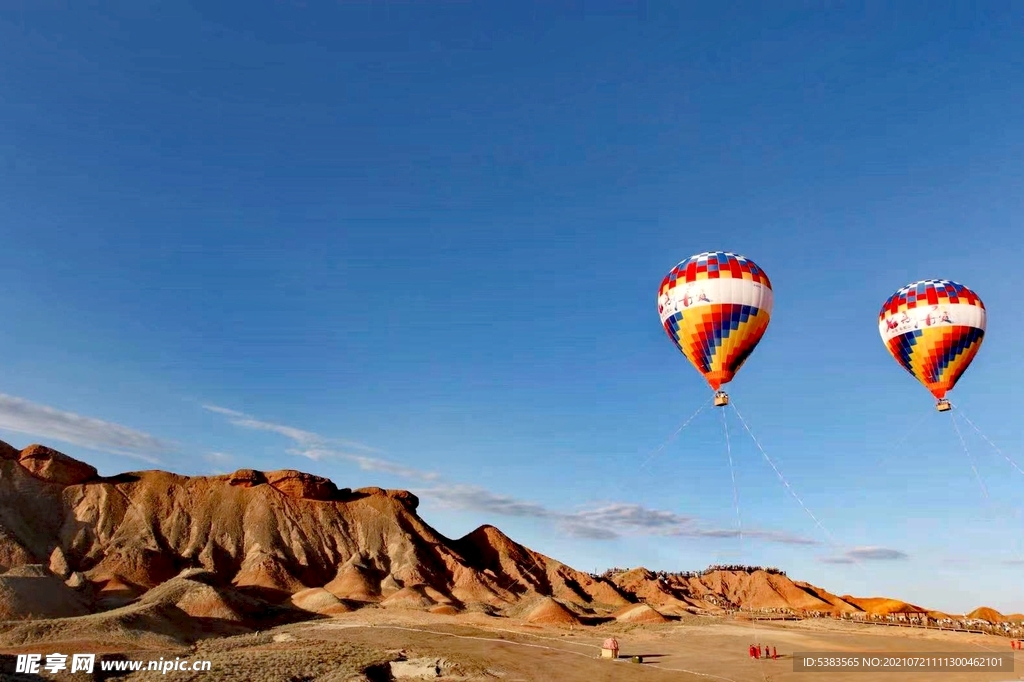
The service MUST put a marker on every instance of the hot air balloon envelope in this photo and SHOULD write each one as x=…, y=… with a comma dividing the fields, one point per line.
x=715, y=307
x=934, y=329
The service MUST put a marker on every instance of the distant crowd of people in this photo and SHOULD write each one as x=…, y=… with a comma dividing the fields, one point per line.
x=756, y=651
x=686, y=575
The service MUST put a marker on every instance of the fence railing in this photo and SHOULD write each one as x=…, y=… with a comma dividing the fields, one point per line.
x=922, y=627
x=886, y=623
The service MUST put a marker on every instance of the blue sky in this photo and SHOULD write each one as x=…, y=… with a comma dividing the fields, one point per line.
x=418, y=245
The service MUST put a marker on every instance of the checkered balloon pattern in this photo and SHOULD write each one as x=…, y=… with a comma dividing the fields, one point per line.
x=715, y=307
x=934, y=329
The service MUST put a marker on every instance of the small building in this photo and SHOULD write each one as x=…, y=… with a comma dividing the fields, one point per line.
x=610, y=648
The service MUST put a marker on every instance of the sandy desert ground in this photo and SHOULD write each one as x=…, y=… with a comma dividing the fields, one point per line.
x=365, y=646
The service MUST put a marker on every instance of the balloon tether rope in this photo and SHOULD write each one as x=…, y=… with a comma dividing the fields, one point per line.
x=970, y=457
x=739, y=529
x=987, y=440
x=908, y=434
x=664, y=445
x=783, y=478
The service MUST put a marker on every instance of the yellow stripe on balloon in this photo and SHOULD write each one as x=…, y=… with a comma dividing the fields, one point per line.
x=931, y=344
x=718, y=364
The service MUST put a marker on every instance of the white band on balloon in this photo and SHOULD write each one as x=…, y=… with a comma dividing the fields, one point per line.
x=927, y=316
x=728, y=290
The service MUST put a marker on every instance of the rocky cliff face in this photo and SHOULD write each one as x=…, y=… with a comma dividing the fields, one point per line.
x=276, y=532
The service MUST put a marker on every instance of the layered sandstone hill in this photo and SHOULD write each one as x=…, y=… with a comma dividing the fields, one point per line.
x=719, y=591
x=280, y=534
x=218, y=547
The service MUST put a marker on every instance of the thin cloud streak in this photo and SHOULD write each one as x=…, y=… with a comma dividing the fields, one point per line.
x=474, y=498
x=609, y=522
x=223, y=410
x=876, y=554
x=366, y=463
x=24, y=416
x=300, y=436
x=858, y=554
x=316, y=447
x=218, y=457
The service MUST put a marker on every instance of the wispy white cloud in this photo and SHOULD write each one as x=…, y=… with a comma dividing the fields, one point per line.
x=366, y=463
x=474, y=498
x=877, y=554
x=218, y=457
x=607, y=522
x=586, y=532
x=299, y=436
x=223, y=410
x=317, y=447
x=633, y=516
x=859, y=554
x=776, y=536
x=23, y=416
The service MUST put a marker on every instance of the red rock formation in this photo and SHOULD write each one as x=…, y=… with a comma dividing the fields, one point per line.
x=302, y=486
x=8, y=451
x=247, y=478
x=297, y=531
x=55, y=467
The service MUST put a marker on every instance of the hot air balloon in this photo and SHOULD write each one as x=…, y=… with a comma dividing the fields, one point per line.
x=715, y=307
x=934, y=329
